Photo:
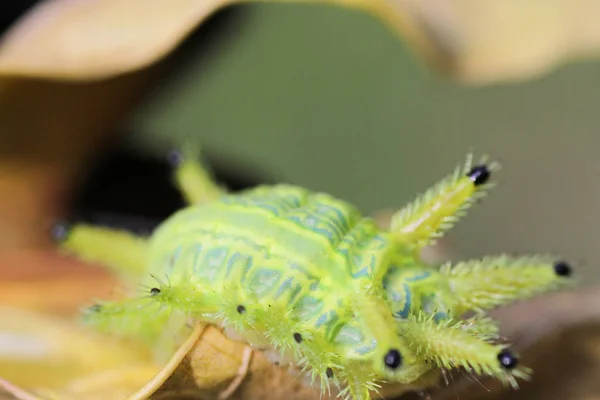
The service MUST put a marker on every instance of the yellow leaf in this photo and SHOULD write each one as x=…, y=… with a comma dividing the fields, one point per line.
x=51, y=358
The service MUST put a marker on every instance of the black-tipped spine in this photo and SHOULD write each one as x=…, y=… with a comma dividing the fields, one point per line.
x=562, y=268
x=479, y=174
x=508, y=360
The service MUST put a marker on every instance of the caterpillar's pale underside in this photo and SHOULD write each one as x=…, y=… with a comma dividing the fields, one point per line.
x=306, y=277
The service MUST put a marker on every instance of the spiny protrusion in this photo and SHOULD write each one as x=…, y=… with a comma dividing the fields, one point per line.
x=494, y=281
x=194, y=181
x=479, y=174
x=449, y=345
x=120, y=250
x=432, y=214
x=508, y=360
x=562, y=268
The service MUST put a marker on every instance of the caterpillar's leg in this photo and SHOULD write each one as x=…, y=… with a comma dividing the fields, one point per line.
x=494, y=281
x=434, y=213
x=455, y=344
x=121, y=251
x=241, y=374
x=193, y=179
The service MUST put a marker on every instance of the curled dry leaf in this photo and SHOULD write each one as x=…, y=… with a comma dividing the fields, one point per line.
x=475, y=41
x=62, y=39
x=86, y=40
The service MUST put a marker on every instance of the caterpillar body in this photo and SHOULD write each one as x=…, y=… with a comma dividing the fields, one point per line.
x=304, y=275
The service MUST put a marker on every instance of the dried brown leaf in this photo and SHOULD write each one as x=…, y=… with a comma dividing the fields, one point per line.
x=50, y=357
x=84, y=40
x=214, y=361
x=475, y=41
x=62, y=39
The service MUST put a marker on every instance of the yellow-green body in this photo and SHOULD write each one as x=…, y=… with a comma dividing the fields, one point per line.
x=306, y=275
x=299, y=263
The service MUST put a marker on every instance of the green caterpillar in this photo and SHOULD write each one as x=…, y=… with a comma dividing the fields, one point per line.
x=305, y=276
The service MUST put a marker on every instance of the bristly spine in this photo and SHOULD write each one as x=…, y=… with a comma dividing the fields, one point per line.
x=444, y=191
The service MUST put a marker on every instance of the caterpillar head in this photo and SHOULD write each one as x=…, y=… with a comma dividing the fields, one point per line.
x=394, y=361
x=377, y=347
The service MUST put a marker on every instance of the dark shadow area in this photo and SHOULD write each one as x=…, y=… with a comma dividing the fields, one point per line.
x=130, y=190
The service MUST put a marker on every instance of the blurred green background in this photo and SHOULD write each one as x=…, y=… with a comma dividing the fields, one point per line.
x=330, y=98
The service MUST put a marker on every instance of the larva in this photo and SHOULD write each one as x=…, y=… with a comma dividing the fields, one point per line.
x=304, y=275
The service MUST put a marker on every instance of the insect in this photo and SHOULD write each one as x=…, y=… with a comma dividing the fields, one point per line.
x=305, y=277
